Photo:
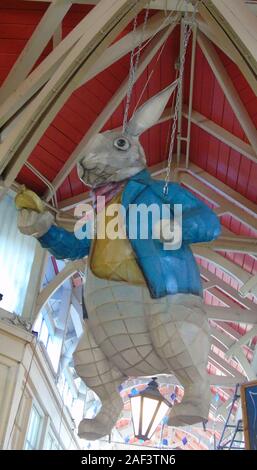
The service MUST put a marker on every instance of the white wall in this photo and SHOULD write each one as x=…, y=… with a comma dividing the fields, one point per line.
x=26, y=378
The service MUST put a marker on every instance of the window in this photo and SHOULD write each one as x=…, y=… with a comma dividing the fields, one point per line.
x=34, y=429
x=51, y=443
x=53, y=344
x=44, y=335
x=16, y=258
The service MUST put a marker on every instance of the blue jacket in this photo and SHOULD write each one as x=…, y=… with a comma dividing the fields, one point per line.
x=165, y=271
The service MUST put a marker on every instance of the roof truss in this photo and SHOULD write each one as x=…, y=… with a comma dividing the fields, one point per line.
x=102, y=26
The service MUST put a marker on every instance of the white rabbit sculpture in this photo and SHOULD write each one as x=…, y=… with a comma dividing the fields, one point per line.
x=144, y=303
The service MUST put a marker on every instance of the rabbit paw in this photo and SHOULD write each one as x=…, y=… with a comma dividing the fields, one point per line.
x=33, y=223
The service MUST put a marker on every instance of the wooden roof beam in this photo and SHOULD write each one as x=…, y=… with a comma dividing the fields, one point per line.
x=224, y=367
x=216, y=131
x=224, y=203
x=221, y=134
x=213, y=281
x=158, y=4
x=208, y=25
x=233, y=270
x=228, y=88
x=44, y=71
x=246, y=338
x=104, y=23
x=175, y=5
x=234, y=244
x=239, y=24
x=35, y=45
x=46, y=293
x=240, y=357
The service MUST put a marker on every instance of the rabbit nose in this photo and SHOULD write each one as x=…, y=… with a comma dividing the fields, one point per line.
x=89, y=164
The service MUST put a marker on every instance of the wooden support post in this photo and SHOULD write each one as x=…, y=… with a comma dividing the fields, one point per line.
x=180, y=91
x=191, y=92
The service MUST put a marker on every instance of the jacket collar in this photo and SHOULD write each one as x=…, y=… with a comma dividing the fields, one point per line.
x=135, y=185
x=143, y=177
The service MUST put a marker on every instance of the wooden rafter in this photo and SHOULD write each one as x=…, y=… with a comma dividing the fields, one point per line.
x=104, y=23
x=246, y=338
x=245, y=365
x=229, y=203
x=176, y=5
x=35, y=45
x=214, y=31
x=221, y=134
x=225, y=367
x=228, y=88
x=71, y=268
x=228, y=267
x=38, y=77
x=235, y=244
x=239, y=24
x=229, y=341
x=225, y=206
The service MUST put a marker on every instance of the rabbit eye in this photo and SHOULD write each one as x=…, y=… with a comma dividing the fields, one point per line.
x=121, y=143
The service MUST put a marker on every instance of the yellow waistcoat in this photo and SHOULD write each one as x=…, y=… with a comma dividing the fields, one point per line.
x=114, y=259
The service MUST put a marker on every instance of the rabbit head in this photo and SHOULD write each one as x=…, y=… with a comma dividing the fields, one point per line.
x=113, y=156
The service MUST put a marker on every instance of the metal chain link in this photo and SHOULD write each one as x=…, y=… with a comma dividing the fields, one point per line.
x=174, y=21
x=187, y=35
x=134, y=65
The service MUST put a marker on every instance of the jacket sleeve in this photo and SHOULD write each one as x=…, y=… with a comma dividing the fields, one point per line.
x=63, y=244
x=199, y=222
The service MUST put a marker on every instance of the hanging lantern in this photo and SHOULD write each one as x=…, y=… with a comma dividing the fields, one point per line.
x=148, y=409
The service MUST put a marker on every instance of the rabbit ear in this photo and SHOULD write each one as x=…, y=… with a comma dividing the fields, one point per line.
x=149, y=113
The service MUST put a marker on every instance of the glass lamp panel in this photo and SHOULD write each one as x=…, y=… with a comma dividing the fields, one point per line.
x=149, y=409
x=159, y=416
x=135, y=409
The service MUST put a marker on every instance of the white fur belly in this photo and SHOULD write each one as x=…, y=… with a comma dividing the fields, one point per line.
x=119, y=318
x=118, y=322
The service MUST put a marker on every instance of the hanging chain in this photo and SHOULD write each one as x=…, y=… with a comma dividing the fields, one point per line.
x=134, y=60
x=174, y=21
x=187, y=34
